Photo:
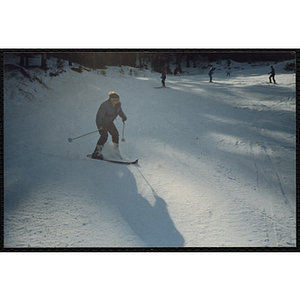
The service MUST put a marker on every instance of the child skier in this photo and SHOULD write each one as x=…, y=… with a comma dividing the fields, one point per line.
x=105, y=117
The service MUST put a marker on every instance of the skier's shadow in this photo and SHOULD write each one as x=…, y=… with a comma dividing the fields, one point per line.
x=152, y=224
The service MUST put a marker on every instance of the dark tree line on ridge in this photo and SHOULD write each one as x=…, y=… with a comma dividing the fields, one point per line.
x=152, y=59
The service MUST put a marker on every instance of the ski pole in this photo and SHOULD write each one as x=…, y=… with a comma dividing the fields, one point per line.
x=123, y=139
x=71, y=139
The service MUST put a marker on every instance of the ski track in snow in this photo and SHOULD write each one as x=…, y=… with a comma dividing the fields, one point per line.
x=216, y=161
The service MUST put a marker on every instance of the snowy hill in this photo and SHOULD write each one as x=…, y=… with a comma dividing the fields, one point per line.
x=216, y=160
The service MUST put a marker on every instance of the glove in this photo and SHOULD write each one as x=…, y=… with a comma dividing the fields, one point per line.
x=124, y=119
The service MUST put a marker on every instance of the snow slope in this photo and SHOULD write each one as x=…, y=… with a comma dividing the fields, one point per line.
x=216, y=160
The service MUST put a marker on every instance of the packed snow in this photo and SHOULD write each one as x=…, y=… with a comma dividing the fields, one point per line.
x=216, y=160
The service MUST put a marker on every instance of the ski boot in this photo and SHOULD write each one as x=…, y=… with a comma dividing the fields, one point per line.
x=117, y=151
x=98, y=152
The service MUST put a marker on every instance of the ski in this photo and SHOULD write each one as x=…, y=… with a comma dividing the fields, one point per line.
x=123, y=162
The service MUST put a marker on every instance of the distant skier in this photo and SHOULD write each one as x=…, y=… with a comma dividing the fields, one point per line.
x=272, y=72
x=105, y=117
x=163, y=76
x=177, y=71
x=211, y=71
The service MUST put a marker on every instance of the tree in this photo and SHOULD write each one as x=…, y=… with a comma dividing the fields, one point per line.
x=44, y=57
x=24, y=59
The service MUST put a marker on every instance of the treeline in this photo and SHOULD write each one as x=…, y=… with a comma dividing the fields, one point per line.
x=154, y=60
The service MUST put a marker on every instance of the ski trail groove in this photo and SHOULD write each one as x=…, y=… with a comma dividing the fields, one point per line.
x=281, y=193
